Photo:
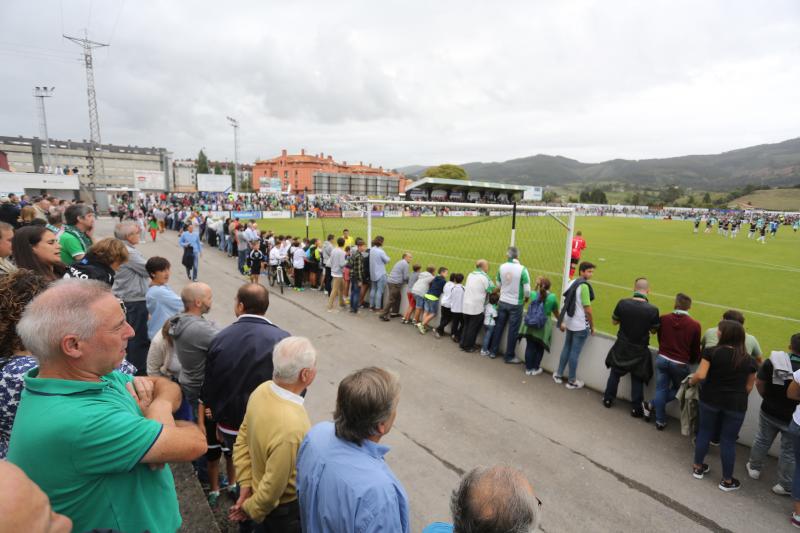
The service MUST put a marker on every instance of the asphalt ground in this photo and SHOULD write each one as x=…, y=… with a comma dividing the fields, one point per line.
x=594, y=469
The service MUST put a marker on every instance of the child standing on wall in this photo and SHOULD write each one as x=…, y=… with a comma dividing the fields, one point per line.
x=254, y=260
x=431, y=300
x=419, y=290
x=457, y=308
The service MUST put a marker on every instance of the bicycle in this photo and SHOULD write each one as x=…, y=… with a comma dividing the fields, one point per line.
x=277, y=273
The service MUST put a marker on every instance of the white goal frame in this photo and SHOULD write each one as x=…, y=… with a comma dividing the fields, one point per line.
x=511, y=209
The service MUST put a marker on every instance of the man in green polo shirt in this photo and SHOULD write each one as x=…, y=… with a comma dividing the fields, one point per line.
x=75, y=239
x=93, y=439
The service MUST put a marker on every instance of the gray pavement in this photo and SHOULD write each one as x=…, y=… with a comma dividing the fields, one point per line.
x=595, y=469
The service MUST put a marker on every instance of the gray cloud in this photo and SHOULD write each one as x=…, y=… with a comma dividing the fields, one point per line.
x=397, y=83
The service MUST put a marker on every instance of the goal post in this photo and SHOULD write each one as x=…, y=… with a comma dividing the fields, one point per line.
x=455, y=235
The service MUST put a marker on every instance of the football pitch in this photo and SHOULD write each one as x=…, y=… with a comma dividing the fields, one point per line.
x=762, y=281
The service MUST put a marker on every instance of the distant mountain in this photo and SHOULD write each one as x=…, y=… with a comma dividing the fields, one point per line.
x=767, y=164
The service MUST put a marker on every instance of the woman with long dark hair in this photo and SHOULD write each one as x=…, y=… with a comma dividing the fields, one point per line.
x=37, y=248
x=728, y=374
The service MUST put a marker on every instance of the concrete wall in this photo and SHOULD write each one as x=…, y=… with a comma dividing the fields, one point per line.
x=593, y=372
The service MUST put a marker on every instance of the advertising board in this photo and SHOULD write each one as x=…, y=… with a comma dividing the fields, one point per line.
x=246, y=214
x=276, y=214
x=213, y=182
x=356, y=214
x=149, y=180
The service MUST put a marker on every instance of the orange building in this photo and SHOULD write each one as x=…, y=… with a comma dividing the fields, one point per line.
x=298, y=172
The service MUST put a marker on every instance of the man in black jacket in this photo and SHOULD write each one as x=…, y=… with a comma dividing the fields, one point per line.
x=637, y=319
x=239, y=360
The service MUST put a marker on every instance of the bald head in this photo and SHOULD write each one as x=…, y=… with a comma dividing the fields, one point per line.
x=24, y=507
x=482, y=264
x=196, y=297
x=642, y=285
x=494, y=499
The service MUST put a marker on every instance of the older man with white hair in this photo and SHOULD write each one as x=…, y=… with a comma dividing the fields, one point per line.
x=493, y=500
x=96, y=440
x=130, y=286
x=266, y=449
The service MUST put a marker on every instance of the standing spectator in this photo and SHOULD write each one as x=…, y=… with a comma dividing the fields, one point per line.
x=130, y=286
x=40, y=208
x=377, y=273
x=637, y=319
x=6, y=237
x=88, y=435
x=192, y=334
x=515, y=289
x=710, y=337
x=678, y=347
x=338, y=260
x=794, y=430
x=242, y=246
x=395, y=280
x=25, y=507
x=55, y=222
x=444, y=305
x=162, y=302
x=190, y=240
x=36, y=248
x=152, y=226
x=431, y=301
x=274, y=426
x=489, y=321
x=359, y=268
x=298, y=265
x=348, y=240
x=76, y=239
x=327, y=249
x=254, y=260
x=476, y=289
x=577, y=321
x=239, y=360
x=419, y=290
x=9, y=210
x=343, y=481
x=412, y=280
x=101, y=262
x=537, y=340
x=773, y=381
x=728, y=374
x=496, y=499
x=457, y=307
x=162, y=361
x=578, y=246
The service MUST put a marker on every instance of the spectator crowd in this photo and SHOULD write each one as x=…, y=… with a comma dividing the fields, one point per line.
x=108, y=375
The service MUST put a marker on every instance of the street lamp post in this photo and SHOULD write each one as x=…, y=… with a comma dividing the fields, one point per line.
x=40, y=93
x=235, y=123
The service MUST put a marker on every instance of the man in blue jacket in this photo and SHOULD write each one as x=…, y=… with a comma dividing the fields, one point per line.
x=239, y=360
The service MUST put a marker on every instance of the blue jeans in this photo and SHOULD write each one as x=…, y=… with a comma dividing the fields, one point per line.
x=637, y=388
x=355, y=294
x=794, y=431
x=534, y=351
x=242, y=260
x=573, y=344
x=221, y=244
x=768, y=429
x=487, y=337
x=376, y=293
x=668, y=380
x=229, y=245
x=512, y=315
x=731, y=424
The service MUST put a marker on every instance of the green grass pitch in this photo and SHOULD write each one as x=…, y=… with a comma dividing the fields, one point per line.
x=719, y=273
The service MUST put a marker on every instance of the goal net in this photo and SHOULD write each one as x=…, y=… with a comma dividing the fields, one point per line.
x=455, y=235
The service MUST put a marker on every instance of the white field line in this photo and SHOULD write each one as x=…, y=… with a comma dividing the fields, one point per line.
x=606, y=284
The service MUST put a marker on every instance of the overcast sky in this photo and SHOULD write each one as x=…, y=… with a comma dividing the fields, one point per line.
x=411, y=82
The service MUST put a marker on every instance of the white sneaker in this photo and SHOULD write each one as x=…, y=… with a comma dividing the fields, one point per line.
x=557, y=379
x=484, y=352
x=780, y=491
x=535, y=372
x=753, y=473
x=577, y=384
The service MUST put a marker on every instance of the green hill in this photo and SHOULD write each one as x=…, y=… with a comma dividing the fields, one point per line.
x=772, y=199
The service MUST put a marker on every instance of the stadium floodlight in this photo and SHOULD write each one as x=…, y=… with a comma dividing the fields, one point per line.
x=235, y=123
x=40, y=93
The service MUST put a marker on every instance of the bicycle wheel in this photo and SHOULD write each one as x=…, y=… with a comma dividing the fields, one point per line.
x=271, y=276
x=280, y=278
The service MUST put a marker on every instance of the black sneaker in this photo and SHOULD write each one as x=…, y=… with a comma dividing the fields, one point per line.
x=637, y=412
x=660, y=426
x=607, y=403
x=698, y=473
x=730, y=486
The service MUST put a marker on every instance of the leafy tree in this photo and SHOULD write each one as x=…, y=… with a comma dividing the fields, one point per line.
x=217, y=169
x=670, y=194
x=706, y=199
x=690, y=201
x=202, y=163
x=451, y=172
x=549, y=197
x=594, y=196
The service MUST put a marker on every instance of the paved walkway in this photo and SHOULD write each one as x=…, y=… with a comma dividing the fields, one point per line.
x=594, y=469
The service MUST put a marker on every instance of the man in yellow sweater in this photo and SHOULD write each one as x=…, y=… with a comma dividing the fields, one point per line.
x=265, y=454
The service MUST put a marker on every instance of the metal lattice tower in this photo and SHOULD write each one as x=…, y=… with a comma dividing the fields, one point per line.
x=95, y=153
x=40, y=93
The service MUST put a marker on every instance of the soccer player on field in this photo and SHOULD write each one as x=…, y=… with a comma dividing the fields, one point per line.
x=752, y=229
x=696, y=224
x=578, y=246
x=763, y=234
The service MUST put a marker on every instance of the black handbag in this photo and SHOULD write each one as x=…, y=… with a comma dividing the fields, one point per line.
x=188, y=257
